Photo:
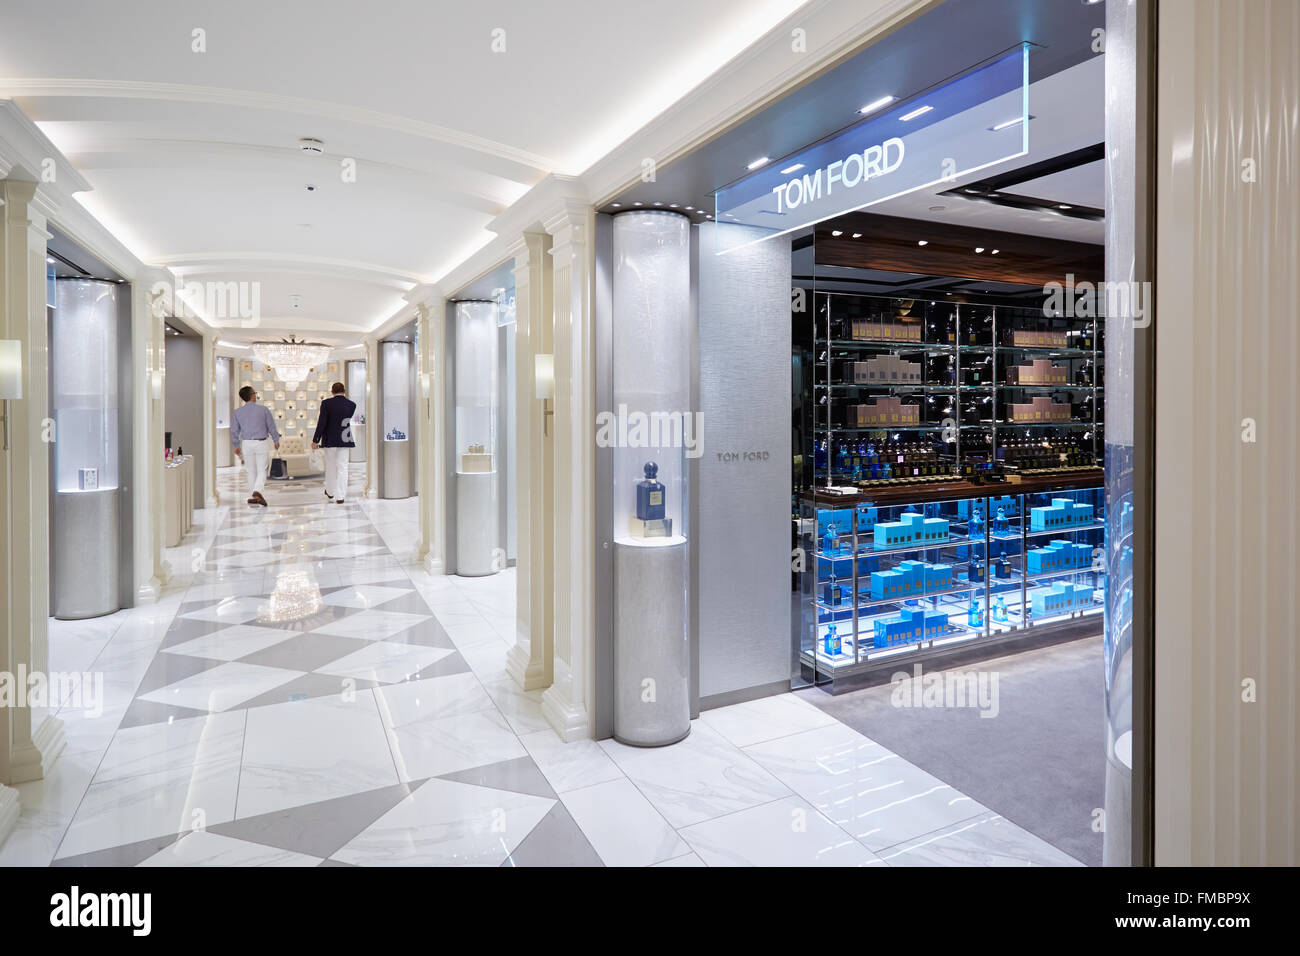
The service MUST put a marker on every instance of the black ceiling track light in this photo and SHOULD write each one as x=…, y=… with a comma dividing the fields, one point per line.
x=990, y=189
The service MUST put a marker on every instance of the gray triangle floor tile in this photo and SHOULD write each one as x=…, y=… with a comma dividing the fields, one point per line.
x=337, y=863
x=130, y=854
x=306, y=652
x=318, y=829
x=556, y=841
x=427, y=633
x=305, y=687
x=453, y=663
x=169, y=668
x=520, y=775
x=410, y=603
x=183, y=629
x=142, y=712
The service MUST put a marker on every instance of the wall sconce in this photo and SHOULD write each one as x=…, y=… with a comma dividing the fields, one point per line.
x=426, y=383
x=156, y=383
x=544, y=379
x=11, y=379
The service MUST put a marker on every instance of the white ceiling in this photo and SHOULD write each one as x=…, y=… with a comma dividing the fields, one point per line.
x=193, y=156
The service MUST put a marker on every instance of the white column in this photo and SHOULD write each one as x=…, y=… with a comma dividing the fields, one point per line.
x=147, y=463
x=432, y=315
x=566, y=703
x=210, y=419
x=531, y=661
x=31, y=737
x=373, y=419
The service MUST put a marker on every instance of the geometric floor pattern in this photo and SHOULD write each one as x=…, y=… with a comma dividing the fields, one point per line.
x=305, y=695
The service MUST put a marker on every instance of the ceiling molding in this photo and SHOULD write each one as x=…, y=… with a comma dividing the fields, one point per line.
x=210, y=263
x=439, y=183
x=254, y=99
x=24, y=147
x=531, y=211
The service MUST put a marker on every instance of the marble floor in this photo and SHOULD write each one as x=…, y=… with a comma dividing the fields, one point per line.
x=304, y=694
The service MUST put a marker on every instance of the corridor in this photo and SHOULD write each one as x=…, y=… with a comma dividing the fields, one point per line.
x=302, y=696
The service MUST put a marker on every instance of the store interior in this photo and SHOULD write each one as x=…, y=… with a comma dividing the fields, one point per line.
x=938, y=498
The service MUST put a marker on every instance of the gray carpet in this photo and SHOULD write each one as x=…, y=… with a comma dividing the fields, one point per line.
x=1040, y=762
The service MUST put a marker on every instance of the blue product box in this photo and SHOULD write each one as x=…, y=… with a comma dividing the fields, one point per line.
x=1061, y=598
x=912, y=624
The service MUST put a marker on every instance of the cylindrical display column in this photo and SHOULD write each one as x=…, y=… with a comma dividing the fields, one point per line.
x=84, y=391
x=477, y=543
x=649, y=429
x=222, y=377
x=356, y=383
x=396, y=476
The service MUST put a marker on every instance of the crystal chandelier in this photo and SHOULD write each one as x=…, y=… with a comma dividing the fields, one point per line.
x=291, y=358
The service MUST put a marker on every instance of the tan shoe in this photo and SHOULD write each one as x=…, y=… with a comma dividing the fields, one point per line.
x=258, y=499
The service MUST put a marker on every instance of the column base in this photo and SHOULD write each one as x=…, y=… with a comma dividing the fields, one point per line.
x=10, y=810
x=148, y=593
x=568, y=719
x=434, y=565
x=372, y=493
x=527, y=673
x=33, y=761
x=212, y=503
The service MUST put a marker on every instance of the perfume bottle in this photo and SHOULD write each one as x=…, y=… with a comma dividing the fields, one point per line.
x=650, y=495
x=831, y=642
x=999, y=609
x=831, y=540
x=976, y=522
x=975, y=615
x=1000, y=521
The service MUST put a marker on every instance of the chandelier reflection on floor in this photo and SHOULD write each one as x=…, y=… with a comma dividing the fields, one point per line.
x=296, y=596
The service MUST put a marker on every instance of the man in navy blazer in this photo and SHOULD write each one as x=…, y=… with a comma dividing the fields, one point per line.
x=334, y=434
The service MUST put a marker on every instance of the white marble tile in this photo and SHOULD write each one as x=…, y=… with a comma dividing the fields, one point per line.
x=310, y=750
x=428, y=748
x=868, y=790
x=430, y=699
x=371, y=576
x=372, y=625
x=47, y=807
x=231, y=643
x=690, y=859
x=622, y=826
x=148, y=805
x=469, y=633
x=350, y=550
x=385, y=662
x=202, y=848
x=786, y=832
x=985, y=840
x=222, y=687
x=698, y=778
x=363, y=595
x=570, y=766
x=487, y=661
x=150, y=748
x=446, y=823
x=765, y=719
x=523, y=708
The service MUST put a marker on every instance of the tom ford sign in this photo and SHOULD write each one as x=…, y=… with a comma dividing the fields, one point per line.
x=967, y=124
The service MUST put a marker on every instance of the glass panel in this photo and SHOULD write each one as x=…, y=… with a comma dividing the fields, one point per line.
x=83, y=373
x=396, y=357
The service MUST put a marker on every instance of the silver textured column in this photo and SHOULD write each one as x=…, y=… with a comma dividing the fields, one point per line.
x=85, y=554
x=652, y=704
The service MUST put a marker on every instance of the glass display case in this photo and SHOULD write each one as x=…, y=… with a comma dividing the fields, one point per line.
x=222, y=377
x=396, y=368
x=956, y=480
x=478, y=546
x=356, y=381
x=891, y=581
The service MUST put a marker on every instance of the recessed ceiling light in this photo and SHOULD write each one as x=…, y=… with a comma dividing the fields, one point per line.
x=921, y=111
x=1064, y=206
x=993, y=253
x=979, y=248
x=876, y=104
x=792, y=169
x=923, y=242
x=837, y=232
x=638, y=204
x=761, y=161
x=689, y=208
x=857, y=235
x=658, y=204
x=672, y=205
x=615, y=205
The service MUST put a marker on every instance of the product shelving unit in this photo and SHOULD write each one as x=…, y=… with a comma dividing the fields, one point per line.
x=943, y=464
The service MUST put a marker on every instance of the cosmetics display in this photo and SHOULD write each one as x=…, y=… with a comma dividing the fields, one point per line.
x=890, y=578
x=1036, y=338
x=1040, y=408
x=1038, y=372
x=885, y=370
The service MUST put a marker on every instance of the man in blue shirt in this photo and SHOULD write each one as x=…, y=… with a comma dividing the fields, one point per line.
x=334, y=434
x=253, y=432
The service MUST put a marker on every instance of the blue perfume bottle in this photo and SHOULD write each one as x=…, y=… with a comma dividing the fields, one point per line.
x=831, y=642
x=650, y=495
x=976, y=522
x=831, y=540
x=1000, y=522
x=999, y=609
x=975, y=615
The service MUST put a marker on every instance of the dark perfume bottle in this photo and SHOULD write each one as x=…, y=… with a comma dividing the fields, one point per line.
x=650, y=495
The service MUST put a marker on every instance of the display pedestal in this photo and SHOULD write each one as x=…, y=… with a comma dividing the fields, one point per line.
x=85, y=554
x=358, y=452
x=397, y=470
x=476, y=523
x=652, y=703
x=225, y=455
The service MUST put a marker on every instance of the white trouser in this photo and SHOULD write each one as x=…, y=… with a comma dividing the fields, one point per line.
x=336, y=472
x=257, y=462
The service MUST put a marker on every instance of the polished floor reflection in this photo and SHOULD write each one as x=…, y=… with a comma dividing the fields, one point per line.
x=305, y=695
